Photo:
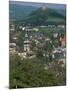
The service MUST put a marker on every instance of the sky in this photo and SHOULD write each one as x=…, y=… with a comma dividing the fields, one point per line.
x=61, y=6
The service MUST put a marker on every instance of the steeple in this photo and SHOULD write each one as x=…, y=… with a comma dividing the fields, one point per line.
x=26, y=43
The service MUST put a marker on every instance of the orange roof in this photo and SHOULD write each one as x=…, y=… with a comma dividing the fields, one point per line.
x=63, y=39
x=61, y=62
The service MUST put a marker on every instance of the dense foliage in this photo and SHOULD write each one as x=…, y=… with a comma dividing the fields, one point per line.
x=31, y=73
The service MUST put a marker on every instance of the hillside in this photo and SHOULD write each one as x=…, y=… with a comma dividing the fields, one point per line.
x=45, y=16
x=18, y=12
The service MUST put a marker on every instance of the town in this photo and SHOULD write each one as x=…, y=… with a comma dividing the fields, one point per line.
x=47, y=43
x=37, y=44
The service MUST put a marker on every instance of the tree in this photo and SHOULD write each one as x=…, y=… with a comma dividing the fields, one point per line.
x=31, y=73
x=33, y=45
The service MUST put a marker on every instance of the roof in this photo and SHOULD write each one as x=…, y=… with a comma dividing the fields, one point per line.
x=61, y=62
x=63, y=39
x=27, y=41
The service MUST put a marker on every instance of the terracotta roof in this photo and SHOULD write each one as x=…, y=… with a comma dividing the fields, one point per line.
x=61, y=62
x=63, y=39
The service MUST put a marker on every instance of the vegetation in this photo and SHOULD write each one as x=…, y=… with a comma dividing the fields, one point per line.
x=45, y=17
x=31, y=73
x=42, y=69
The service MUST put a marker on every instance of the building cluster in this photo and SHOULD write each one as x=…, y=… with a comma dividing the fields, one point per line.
x=40, y=40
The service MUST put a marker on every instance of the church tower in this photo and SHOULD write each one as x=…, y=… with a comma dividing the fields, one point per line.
x=26, y=43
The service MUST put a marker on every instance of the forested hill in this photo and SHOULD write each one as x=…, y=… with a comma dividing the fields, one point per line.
x=45, y=16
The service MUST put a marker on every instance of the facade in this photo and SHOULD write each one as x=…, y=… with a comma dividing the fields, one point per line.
x=61, y=62
x=12, y=48
x=63, y=41
x=26, y=46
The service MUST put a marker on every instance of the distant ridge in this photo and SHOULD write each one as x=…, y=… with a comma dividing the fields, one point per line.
x=22, y=11
x=45, y=15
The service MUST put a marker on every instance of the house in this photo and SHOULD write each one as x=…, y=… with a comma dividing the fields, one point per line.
x=23, y=28
x=14, y=38
x=47, y=39
x=12, y=44
x=59, y=53
x=12, y=27
x=25, y=55
x=12, y=48
x=40, y=45
x=36, y=29
x=61, y=26
x=20, y=27
x=22, y=55
x=62, y=41
x=55, y=35
x=61, y=62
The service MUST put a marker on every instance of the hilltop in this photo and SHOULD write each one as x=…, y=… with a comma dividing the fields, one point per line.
x=44, y=16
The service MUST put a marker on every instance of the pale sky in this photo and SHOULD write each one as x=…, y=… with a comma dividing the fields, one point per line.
x=61, y=6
